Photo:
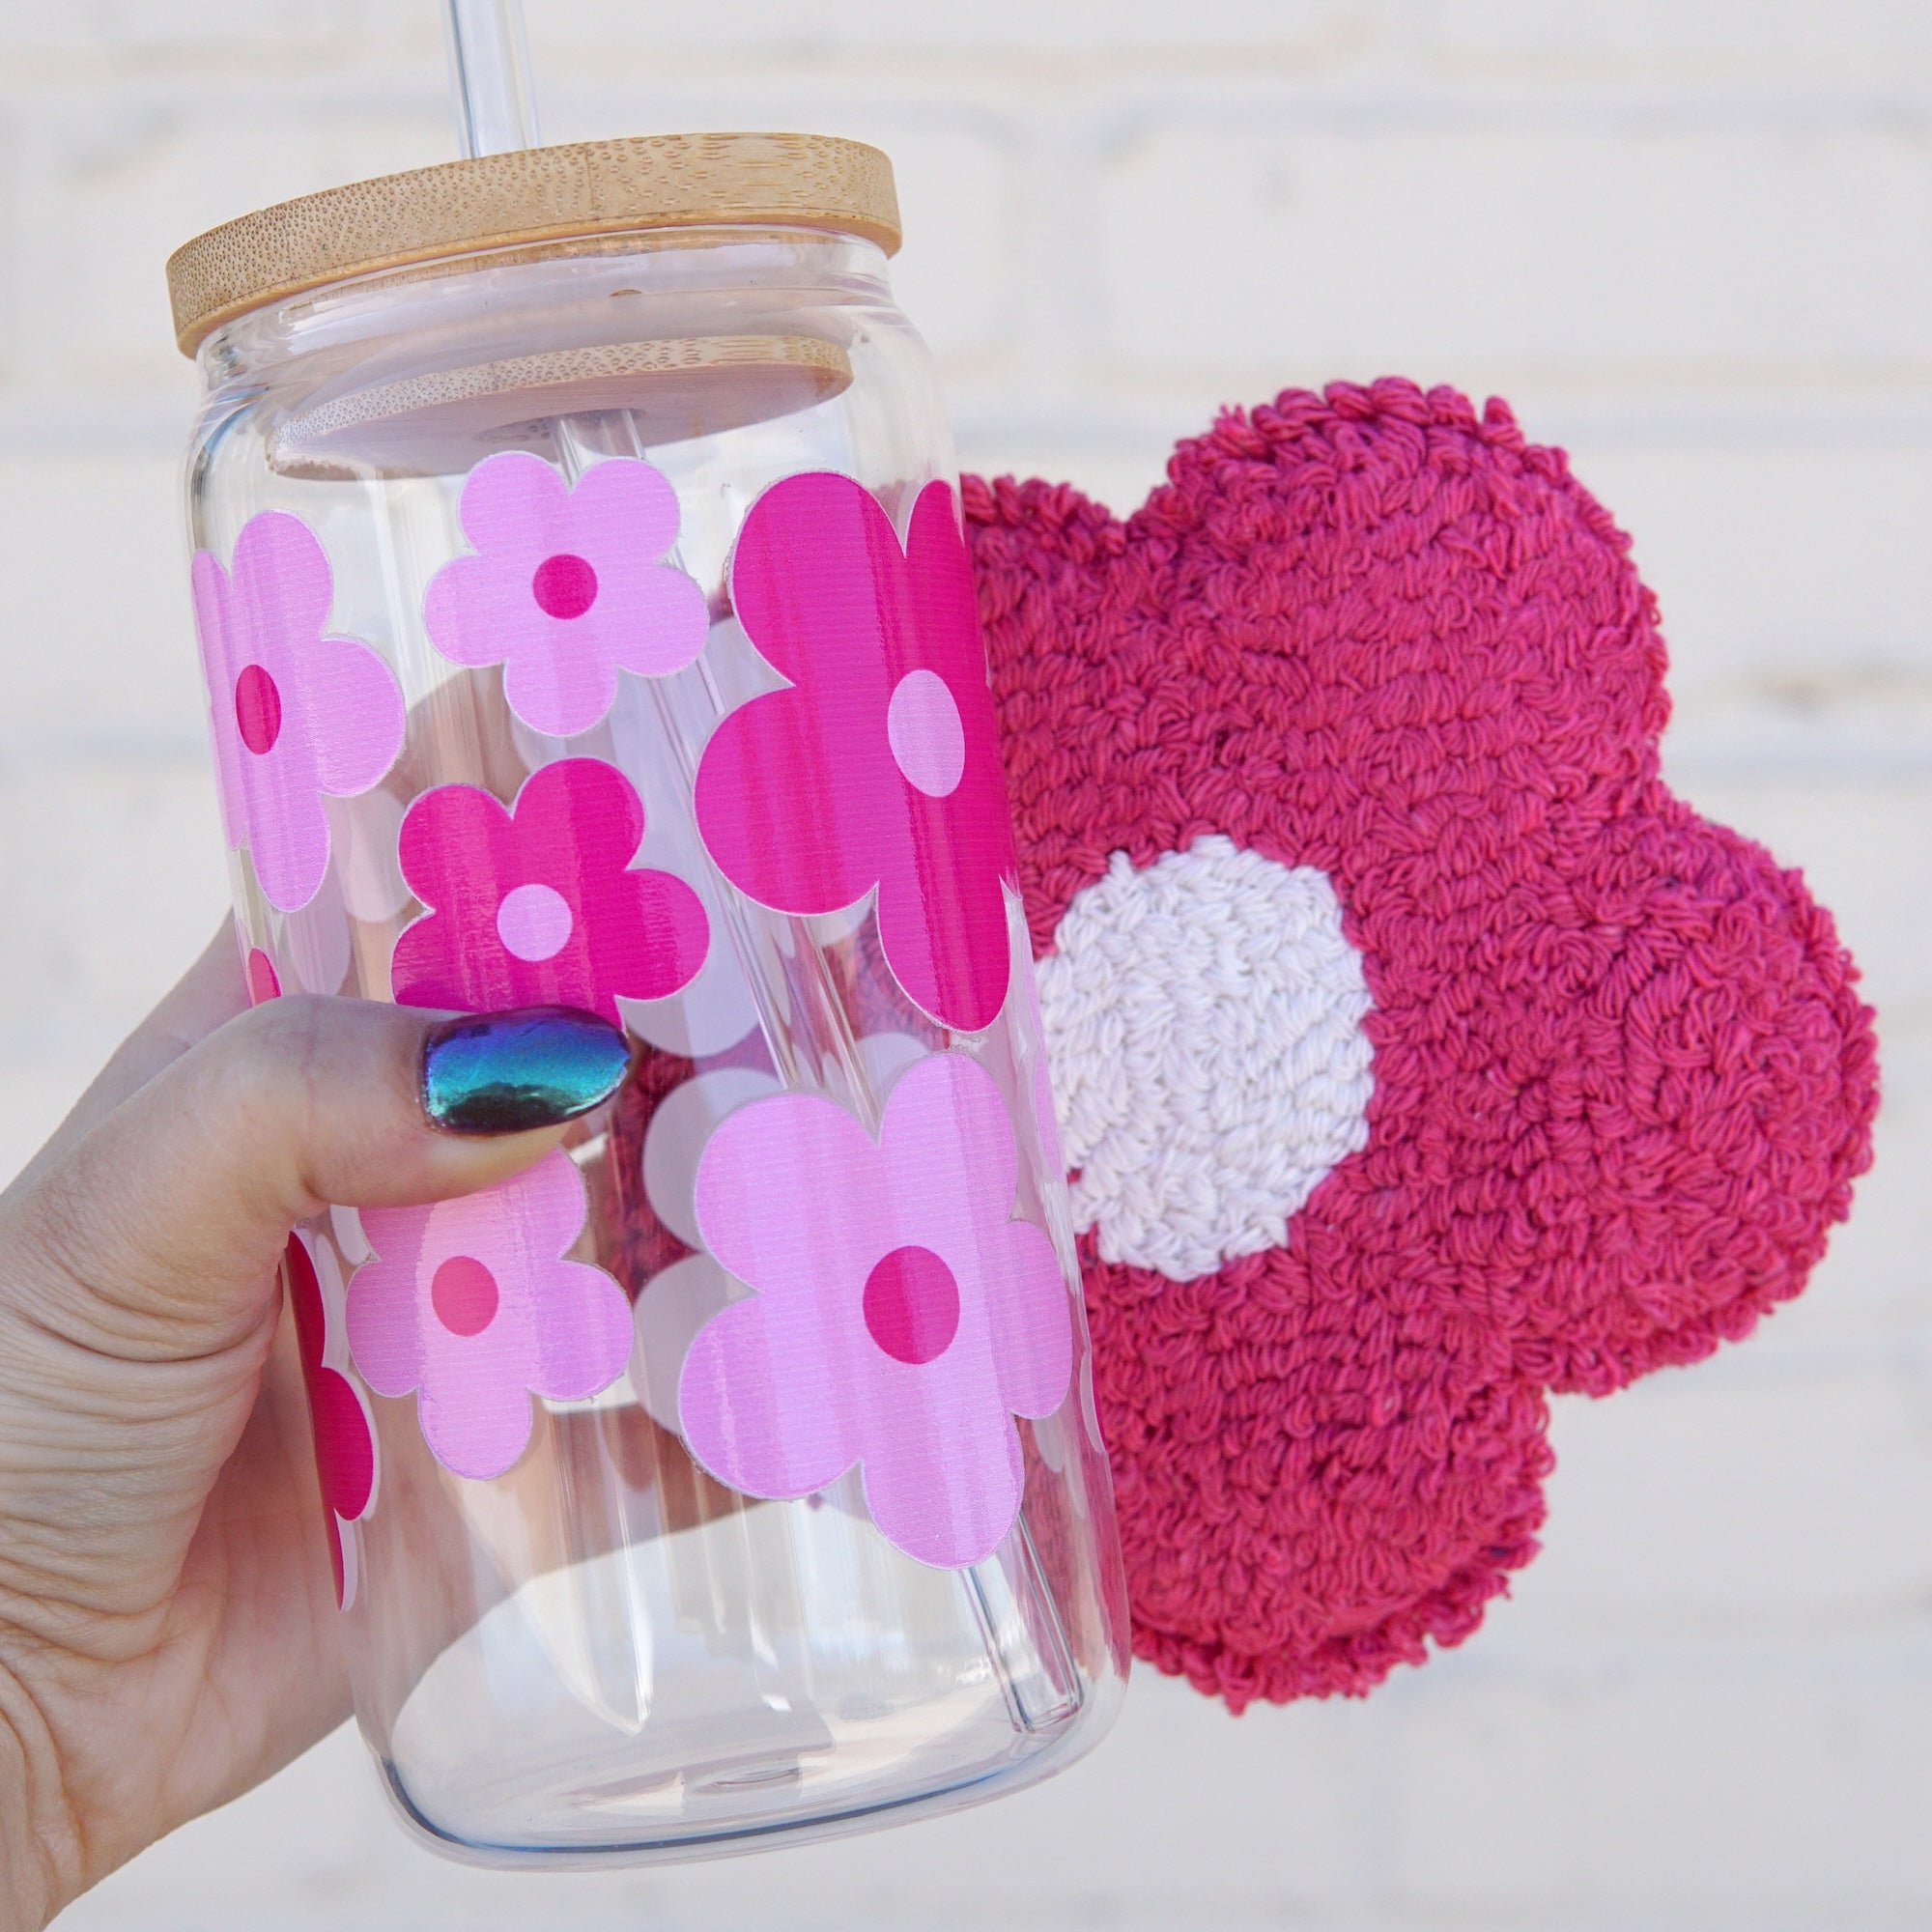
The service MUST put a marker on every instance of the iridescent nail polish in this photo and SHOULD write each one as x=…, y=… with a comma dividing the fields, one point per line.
x=503, y=1073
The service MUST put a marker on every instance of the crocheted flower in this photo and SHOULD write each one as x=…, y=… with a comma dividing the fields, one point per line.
x=567, y=586
x=345, y=1440
x=469, y=1305
x=1366, y=649
x=901, y=1318
x=539, y=905
x=294, y=714
x=880, y=766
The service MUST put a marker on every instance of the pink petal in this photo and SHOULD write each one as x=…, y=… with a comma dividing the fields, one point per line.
x=658, y=621
x=763, y=1403
x=385, y=1336
x=344, y=1449
x=281, y=581
x=476, y=1426
x=221, y=664
x=658, y=938
x=797, y=795
x=943, y=919
x=947, y=1501
x=526, y=1222
x=621, y=512
x=949, y=1144
x=788, y=1190
x=449, y=836
x=791, y=805
x=578, y=816
x=582, y=1331
x=1032, y=1321
x=516, y=507
x=562, y=686
x=288, y=837
x=946, y=605
x=477, y=610
x=354, y=713
x=814, y=582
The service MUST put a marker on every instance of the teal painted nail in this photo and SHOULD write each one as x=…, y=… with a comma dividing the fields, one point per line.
x=503, y=1073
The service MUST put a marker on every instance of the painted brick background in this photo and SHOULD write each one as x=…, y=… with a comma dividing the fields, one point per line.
x=1692, y=240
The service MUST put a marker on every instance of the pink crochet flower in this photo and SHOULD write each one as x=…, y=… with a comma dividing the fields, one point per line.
x=469, y=1305
x=567, y=586
x=901, y=1319
x=345, y=1443
x=1622, y=1079
x=881, y=765
x=294, y=714
x=539, y=905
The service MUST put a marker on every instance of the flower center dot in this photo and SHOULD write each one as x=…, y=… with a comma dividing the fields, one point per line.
x=462, y=1292
x=565, y=585
x=912, y=1305
x=923, y=730
x=534, y=922
x=258, y=709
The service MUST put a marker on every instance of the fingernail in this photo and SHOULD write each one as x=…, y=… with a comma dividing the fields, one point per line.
x=503, y=1073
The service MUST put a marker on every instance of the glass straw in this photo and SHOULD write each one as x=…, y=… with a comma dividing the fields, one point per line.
x=496, y=113
x=490, y=76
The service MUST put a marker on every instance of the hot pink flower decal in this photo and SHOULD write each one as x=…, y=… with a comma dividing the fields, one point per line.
x=901, y=1318
x=567, y=586
x=345, y=1444
x=294, y=714
x=264, y=984
x=538, y=905
x=469, y=1305
x=881, y=765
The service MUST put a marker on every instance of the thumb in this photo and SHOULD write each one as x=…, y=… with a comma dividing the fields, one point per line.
x=164, y=1222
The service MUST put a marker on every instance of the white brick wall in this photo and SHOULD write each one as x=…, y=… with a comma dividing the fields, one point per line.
x=1690, y=238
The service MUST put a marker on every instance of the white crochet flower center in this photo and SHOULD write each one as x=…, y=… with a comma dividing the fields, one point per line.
x=1204, y=1022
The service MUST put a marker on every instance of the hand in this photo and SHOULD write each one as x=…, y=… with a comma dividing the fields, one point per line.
x=168, y=1633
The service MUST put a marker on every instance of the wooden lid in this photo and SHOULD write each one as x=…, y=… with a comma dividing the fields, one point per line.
x=531, y=195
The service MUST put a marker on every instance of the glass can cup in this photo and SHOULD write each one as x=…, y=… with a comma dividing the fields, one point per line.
x=586, y=618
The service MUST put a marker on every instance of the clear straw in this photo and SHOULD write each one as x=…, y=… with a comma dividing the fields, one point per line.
x=490, y=76
x=496, y=113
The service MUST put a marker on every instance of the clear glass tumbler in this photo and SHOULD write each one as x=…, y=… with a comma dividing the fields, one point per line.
x=587, y=621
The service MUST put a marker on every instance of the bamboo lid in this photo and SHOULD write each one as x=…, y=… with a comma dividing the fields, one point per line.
x=531, y=195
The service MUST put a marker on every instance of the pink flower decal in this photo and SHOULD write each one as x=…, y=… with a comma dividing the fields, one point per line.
x=469, y=1305
x=901, y=1319
x=881, y=765
x=345, y=1443
x=539, y=905
x=264, y=984
x=294, y=714
x=567, y=586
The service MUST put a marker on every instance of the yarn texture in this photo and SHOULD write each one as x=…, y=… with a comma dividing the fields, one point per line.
x=1203, y=1023
x=1617, y=1082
